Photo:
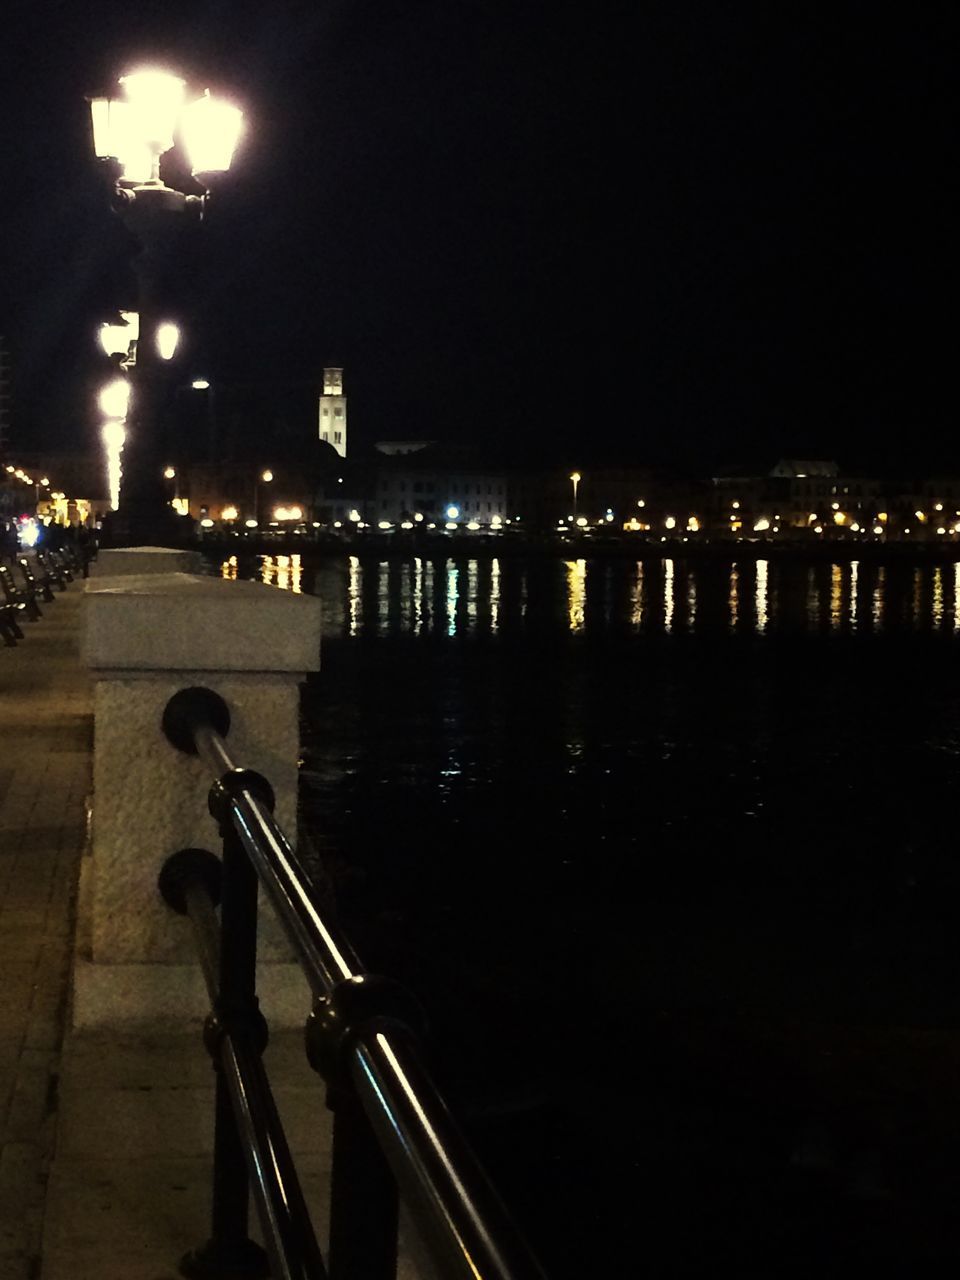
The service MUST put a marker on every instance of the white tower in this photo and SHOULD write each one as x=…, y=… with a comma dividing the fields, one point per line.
x=333, y=411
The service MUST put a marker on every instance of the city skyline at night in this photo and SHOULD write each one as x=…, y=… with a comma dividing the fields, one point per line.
x=720, y=234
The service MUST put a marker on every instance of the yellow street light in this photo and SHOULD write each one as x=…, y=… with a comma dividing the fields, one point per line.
x=575, y=478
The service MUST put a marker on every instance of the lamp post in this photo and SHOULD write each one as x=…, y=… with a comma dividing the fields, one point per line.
x=204, y=384
x=130, y=134
x=265, y=477
x=171, y=473
x=575, y=478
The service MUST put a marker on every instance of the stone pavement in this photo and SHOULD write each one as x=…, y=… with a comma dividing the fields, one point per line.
x=46, y=729
x=105, y=1137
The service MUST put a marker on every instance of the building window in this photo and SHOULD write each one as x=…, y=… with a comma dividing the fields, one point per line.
x=338, y=413
x=336, y=437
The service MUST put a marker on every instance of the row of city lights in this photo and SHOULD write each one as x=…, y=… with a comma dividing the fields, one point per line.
x=29, y=531
x=19, y=474
x=281, y=515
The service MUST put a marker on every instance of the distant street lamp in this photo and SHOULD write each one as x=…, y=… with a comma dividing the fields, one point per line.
x=204, y=384
x=575, y=478
x=129, y=135
x=265, y=477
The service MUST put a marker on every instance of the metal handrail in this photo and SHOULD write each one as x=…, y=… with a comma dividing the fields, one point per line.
x=362, y=1034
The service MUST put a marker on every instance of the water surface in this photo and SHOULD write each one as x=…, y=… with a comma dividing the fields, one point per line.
x=565, y=800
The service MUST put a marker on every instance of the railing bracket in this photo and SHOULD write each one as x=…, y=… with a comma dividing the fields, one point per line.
x=182, y=867
x=364, y=1003
x=188, y=710
x=222, y=792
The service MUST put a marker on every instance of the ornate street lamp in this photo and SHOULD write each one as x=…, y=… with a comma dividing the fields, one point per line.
x=130, y=134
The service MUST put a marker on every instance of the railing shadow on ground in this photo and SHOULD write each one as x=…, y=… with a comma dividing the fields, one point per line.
x=392, y=1132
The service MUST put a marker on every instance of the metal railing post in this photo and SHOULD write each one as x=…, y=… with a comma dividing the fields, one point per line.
x=364, y=1210
x=230, y=1252
x=393, y=1134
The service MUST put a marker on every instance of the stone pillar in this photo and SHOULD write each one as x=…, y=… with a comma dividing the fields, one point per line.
x=145, y=636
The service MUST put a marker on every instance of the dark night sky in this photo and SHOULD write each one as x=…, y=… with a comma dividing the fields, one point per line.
x=698, y=233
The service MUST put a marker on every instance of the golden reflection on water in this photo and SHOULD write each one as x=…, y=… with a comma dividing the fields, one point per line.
x=419, y=596
x=836, y=597
x=285, y=572
x=353, y=593
x=576, y=593
x=636, y=598
x=938, y=596
x=229, y=569
x=761, y=595
x=668, y=595
x=734, y=597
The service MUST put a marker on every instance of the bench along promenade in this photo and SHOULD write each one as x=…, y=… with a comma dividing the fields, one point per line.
x=142, y=1135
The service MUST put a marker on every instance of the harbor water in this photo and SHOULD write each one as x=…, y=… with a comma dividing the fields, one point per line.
x=646, y=837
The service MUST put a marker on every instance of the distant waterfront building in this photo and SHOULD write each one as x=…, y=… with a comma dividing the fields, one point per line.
x=394, y=447
x=414, y=480
x=333, y=411
x=804, y=468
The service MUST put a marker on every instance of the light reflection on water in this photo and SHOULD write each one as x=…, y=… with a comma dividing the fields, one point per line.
x=285, y=572
x=456, y=598
x=576, y=593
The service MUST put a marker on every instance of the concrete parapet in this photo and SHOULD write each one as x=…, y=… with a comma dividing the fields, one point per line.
x=112, y=561
x=146, y=635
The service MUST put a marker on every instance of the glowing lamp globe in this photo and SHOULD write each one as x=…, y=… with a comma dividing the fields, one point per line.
x=113, y=434
x=115, y=138
x=116, y=339
x=210, y=130
x=168, y=337
x=115, y=399
x=154, y=99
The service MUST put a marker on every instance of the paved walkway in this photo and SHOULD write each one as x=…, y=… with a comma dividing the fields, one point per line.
x=105, y=1137
x=45, y=770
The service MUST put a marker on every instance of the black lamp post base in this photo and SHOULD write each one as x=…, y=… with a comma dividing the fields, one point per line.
x=226, y=1260
x=157, y=527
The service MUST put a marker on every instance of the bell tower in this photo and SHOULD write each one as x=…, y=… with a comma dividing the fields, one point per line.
x=333, y=411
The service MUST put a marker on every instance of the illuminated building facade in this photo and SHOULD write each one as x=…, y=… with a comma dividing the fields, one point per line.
x=333, y=411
